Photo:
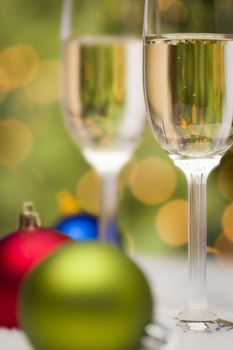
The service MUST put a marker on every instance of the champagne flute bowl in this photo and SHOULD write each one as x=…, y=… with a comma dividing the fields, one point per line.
x=102, y=91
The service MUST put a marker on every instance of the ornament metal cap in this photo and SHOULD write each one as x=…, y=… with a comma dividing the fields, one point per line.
x=29, y=218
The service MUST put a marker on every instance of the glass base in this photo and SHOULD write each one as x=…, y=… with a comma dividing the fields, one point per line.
x=197, y=313
x=201, y=319
x=217, y=325
x=158, y=337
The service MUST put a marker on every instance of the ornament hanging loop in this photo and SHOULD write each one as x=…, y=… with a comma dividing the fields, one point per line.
x=29, y=218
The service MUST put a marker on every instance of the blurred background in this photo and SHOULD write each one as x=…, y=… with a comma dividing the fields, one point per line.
x=40, y=163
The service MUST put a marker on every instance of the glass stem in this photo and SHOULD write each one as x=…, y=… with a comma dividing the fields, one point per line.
x=197, y=238
x=108, y=208
x=196, y=172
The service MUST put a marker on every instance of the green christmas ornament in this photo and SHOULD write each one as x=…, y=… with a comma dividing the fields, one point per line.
x=86, y=296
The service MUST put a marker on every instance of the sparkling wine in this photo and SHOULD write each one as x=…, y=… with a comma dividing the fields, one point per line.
x=189, y=92
x=103, y=95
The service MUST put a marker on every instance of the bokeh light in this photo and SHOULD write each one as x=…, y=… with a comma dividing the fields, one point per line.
x=20, y=62
x=225, y=251
x=125, y=173
x=172, y=222
x=225, y=179
x=174, y=10
x=88, y=192
x=152, y=180
x=67, y=203
x=15, y=142
x=227, y=221
x=165, y=4
x=44, y=88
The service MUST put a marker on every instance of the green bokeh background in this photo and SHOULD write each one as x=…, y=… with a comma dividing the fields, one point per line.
x=55, y=163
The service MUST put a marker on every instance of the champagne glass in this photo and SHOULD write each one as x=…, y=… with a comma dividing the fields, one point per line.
x=188, y=87
x=102, y=90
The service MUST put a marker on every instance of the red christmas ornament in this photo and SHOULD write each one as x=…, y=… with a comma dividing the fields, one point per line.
x=19, y=252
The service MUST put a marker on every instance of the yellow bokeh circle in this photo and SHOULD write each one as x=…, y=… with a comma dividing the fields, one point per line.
x=165, y=4
x=20, y=63
x=227, y=221
x=15, y=142
x=67, y=203
x=44, y=88
x=125, y=173
x=225, y=251
x=225, y=179
x=88, y=192
x=224, y=246
x=174, y=10
x=152, y=180
x=172, y=222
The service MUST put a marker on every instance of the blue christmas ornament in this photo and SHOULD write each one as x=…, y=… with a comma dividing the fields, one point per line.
x=80, y=227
